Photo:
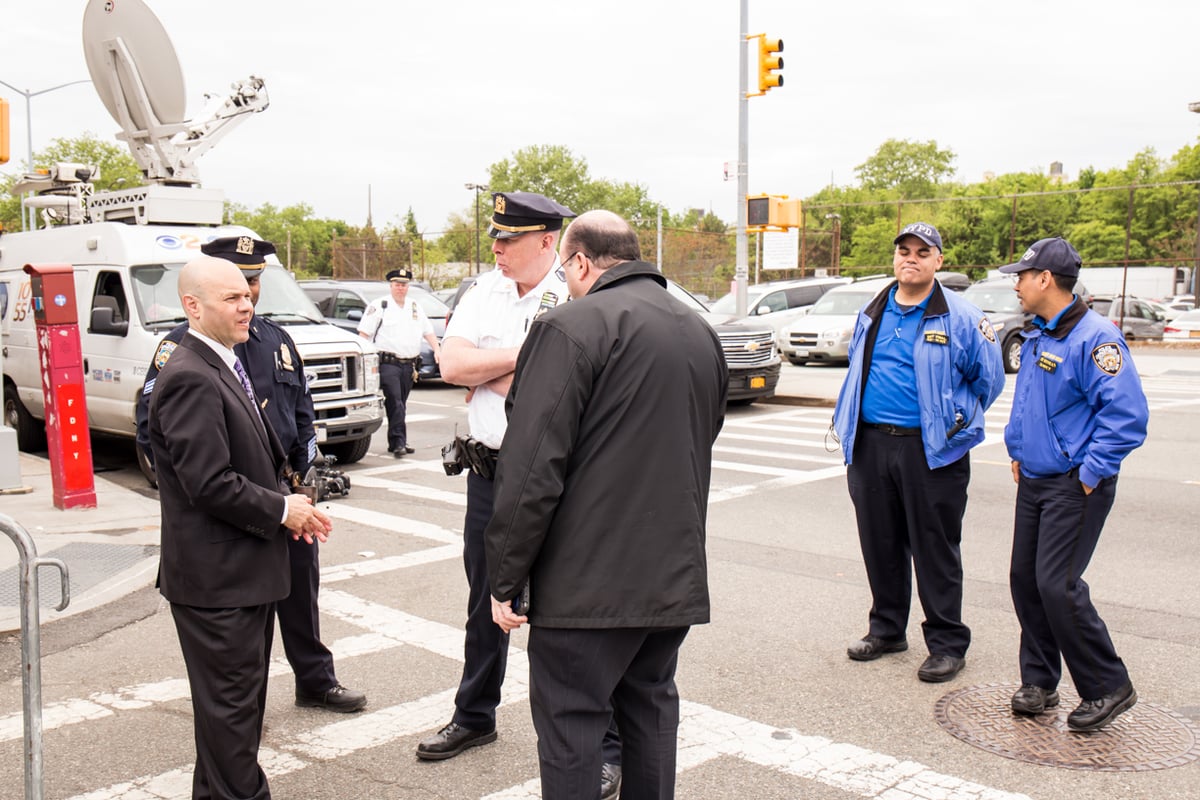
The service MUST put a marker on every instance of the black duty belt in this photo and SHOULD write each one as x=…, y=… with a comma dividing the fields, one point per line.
x=892, y=430
x=479, y=458
x=392, y=358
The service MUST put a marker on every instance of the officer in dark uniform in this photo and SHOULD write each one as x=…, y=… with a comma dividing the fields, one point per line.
x=1078, y=411
x=277, y=374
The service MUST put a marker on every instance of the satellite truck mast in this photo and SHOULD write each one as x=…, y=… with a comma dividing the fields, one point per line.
x=137, y=75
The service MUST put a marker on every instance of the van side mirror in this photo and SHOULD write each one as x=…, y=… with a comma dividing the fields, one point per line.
x=103, y=322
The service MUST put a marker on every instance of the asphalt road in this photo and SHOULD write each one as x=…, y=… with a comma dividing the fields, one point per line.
x=773, y=709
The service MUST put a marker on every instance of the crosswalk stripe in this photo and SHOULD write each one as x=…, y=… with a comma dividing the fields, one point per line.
x=705, y=733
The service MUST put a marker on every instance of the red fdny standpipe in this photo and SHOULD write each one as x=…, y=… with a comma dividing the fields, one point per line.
x=61, y=358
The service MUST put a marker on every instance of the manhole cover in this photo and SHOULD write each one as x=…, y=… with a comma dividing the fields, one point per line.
x=1146, y=737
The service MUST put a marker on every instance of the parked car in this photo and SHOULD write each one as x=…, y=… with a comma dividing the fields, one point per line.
x=996, y=298
x=1185, y=326
x=342, y=303
x=779, y=303
x=749, y=347
x=954, y=281
x=823, y=334
x=1140, y=321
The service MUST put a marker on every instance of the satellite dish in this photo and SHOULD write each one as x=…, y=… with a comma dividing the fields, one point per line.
x=149, y=76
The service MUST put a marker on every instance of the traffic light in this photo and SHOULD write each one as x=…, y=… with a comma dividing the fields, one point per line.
x=769, y=63
x=3, y=131
x=766, y=211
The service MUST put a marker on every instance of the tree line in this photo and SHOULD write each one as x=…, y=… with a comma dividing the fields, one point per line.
x=1143, y=212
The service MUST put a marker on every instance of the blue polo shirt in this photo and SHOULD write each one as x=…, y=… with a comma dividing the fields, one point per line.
x=890, y=395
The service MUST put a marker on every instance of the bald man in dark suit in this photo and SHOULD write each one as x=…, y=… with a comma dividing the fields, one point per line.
x=226, y=513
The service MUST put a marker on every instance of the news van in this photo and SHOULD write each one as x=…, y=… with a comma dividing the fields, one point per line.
x=127, y=247
x=126, y=279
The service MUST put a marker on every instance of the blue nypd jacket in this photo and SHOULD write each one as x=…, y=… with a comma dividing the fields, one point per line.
x=958, y=368
x=1079, y=401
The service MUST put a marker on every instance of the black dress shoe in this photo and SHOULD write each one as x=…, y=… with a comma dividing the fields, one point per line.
x=1031, y=700
x=398, y=453
x=339, y=698
x=938, y=668
x=409, y=450
x=871, y=647
x=1095, y=714
x=452, y=740
x=610, y=781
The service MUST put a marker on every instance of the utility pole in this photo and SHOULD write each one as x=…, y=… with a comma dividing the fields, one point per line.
x=742, y=268
x=769, y=65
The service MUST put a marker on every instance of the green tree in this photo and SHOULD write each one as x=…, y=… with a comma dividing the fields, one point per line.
x=303, y=241
x=554, y=171
x=911, y=169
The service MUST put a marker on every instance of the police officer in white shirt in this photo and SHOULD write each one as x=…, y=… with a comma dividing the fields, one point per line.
x=396, y=325
x=480, y=352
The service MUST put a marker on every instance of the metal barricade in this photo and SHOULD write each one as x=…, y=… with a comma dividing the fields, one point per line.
x=31, y=647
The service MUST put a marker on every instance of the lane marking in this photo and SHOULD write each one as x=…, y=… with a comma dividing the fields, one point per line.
x=704, y=733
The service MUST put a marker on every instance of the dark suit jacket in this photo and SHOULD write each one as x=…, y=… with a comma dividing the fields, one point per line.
x=219, y=486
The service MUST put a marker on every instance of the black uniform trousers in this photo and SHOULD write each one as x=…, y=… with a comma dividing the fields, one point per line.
x=396, y=380
x=486, y=648
x=1055, y=533
x=911, y=516
x=580, y=682
x=227, y=652
x=300, y=621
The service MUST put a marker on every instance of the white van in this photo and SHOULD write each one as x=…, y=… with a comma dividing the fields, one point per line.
x=126, y=289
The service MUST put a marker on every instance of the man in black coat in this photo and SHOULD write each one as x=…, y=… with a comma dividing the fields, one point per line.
x=600, y=507
x=224, y=561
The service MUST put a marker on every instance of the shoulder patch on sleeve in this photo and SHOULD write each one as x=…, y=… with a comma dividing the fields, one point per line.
x=985, y=327
x=165, y=348
x=1108, y=358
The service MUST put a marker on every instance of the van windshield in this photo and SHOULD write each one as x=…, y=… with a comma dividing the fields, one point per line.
x=156, y=290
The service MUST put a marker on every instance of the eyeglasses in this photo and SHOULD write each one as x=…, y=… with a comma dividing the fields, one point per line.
x=570, y=258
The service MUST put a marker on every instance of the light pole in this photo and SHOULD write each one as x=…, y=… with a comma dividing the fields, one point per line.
x=28, y=95
x=1196, y=267
x=836, y=260
x=478, y=187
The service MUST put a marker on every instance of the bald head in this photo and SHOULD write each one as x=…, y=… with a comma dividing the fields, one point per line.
x=594, y=242
x=216, y=298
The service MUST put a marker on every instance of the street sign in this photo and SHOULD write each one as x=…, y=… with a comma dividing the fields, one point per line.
x=781, y=249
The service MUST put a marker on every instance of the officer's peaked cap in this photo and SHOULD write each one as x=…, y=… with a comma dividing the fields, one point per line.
x=515, y=213
x=248, y=253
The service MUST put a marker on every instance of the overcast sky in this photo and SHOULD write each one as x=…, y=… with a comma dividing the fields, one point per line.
x=416, y=99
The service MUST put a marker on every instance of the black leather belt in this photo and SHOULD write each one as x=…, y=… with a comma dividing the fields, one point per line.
x=892, y=430
x=392, y=358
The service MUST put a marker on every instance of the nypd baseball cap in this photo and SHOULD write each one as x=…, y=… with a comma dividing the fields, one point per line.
x=923, y=231
x=1055, y=255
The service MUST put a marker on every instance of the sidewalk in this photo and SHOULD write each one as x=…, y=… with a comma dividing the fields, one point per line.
x=109, y=550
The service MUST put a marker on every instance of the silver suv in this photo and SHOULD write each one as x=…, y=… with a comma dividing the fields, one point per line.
x=823, y=334
x=1140, y=321
x=779, y=303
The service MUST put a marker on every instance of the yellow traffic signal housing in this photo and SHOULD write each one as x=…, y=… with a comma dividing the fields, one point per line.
x=767, y=211
x=3, y=131
x=769, y=63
